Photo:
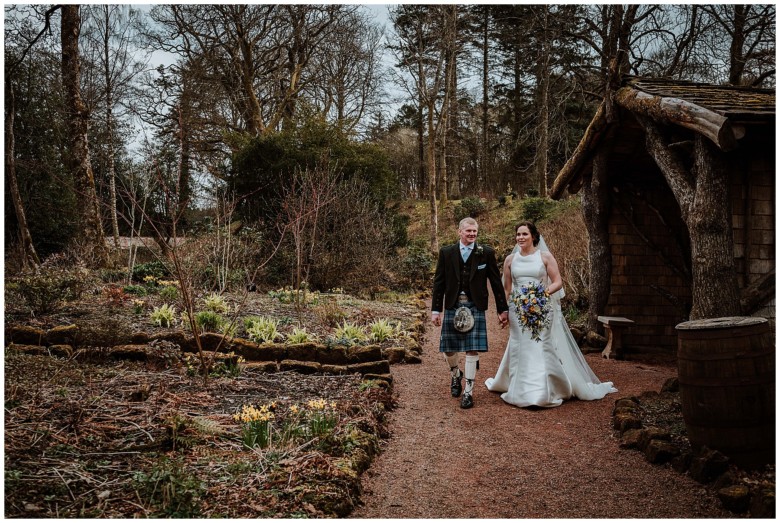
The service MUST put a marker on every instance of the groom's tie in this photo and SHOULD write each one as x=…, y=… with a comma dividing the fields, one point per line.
x=464, y=253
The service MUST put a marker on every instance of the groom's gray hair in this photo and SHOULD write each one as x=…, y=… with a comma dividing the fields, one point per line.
x=468, y=220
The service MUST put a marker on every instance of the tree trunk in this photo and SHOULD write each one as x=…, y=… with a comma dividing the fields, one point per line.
x=485, y=92
x=703, y=197
x=422, y=181
x=715, y=288
x=453, y=166
x=543, y=109
x=432, y=182
x=450, y=16
x=596, y=209
x=29, y=256
x=110, y=126
x=736, y=51
x=80, y=164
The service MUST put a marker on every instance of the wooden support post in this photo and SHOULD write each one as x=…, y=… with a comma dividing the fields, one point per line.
x=614, y=326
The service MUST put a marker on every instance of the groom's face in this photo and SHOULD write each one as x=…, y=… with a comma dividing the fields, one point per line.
x=468, y=234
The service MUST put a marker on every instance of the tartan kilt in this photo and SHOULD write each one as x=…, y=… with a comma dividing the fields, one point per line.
x=473, y=340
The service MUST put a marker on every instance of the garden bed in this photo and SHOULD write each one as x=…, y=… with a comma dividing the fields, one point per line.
x=126, y=439
x=107, y=417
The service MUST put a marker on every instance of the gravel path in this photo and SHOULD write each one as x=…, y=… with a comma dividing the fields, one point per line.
x=499, y=461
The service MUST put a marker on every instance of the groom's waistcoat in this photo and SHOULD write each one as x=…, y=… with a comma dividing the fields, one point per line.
x=465, y=275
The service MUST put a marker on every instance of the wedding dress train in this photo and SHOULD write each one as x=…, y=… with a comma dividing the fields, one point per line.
x=542, y=373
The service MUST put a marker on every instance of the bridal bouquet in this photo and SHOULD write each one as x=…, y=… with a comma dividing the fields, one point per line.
x=532, y=305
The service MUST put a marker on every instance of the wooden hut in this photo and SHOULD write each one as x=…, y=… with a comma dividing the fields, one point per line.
x=648, y=237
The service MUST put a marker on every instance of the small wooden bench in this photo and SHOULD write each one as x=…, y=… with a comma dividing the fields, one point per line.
x=614, y=326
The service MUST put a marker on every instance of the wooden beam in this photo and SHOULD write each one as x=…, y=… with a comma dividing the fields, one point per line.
x=680, y=112
x=755, y=295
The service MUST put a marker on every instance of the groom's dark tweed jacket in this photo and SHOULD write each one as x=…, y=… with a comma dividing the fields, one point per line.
x=446, y=281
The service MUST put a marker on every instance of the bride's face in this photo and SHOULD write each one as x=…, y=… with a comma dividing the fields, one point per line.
x=524, y=238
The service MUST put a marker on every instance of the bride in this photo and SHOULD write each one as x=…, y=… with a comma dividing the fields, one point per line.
x=546, y=372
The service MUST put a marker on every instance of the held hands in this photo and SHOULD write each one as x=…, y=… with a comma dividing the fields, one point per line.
x=503, y=319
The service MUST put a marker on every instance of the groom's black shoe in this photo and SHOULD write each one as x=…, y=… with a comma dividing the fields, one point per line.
x=456, y=386
x=467, y=401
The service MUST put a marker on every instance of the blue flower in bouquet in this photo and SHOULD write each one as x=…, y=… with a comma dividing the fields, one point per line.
x=533, y=307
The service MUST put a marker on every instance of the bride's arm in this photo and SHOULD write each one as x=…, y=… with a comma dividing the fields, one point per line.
x=507, y=275
x=553, y=274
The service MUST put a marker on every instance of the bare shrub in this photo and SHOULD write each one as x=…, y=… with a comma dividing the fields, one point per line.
x=57, y=280
x=330, y=313
x=337, y=235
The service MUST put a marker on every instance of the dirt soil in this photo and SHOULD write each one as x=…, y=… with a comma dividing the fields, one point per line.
x=500, y=461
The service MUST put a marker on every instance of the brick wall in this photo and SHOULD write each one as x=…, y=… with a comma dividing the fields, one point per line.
x=753, y=210
x=641, y=275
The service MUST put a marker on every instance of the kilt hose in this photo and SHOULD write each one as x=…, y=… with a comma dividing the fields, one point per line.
x=473, y=340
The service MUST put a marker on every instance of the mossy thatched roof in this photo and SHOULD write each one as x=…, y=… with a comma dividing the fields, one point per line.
x=719, y=112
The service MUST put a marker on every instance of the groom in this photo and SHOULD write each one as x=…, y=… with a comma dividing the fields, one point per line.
x=462, y=275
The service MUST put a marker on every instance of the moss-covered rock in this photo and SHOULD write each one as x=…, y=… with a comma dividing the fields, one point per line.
x=25, y=335
x=62, y=335
x=304, y=367
x=332, y=355
x=27, y=349
x=334, y=369
x=660, y=451
x=394, y=355
x=370, y=367
x=253, y=352
x=362, y=354
x=735, y=498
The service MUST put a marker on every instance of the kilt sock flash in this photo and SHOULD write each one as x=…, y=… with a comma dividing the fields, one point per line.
x=471, y=373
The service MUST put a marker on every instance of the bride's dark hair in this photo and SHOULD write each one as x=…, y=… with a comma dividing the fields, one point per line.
x=532, y=228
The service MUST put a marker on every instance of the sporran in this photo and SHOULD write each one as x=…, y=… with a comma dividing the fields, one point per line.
x=463, y=320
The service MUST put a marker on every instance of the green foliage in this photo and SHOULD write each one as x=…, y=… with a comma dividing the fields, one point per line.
x=138, y=306
x=321, y=418
x=227, y=367
x=537, y=209
x=262, y=165
x=257, y=427
x=468, y=207
x=290, y=295
x=156, y=268
x=49, y=288
x=261, y=330
x=573, y=315
x=369, y=384
x=169, y=293
x=216, y=303
x=416, y=266
x=209, y=321
x=163, y=315
x=112, y=275
x=170, y=488
x=399, y=227
x=350, y=333
x=381, y=330
x=300, y=335
x=137, y=290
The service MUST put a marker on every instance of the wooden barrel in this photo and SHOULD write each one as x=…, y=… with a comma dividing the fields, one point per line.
x=726, y=370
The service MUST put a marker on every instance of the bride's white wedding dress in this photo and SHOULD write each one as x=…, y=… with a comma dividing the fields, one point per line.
x=542, y=373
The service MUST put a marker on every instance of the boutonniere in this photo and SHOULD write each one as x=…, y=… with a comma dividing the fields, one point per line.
x=479, y=250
